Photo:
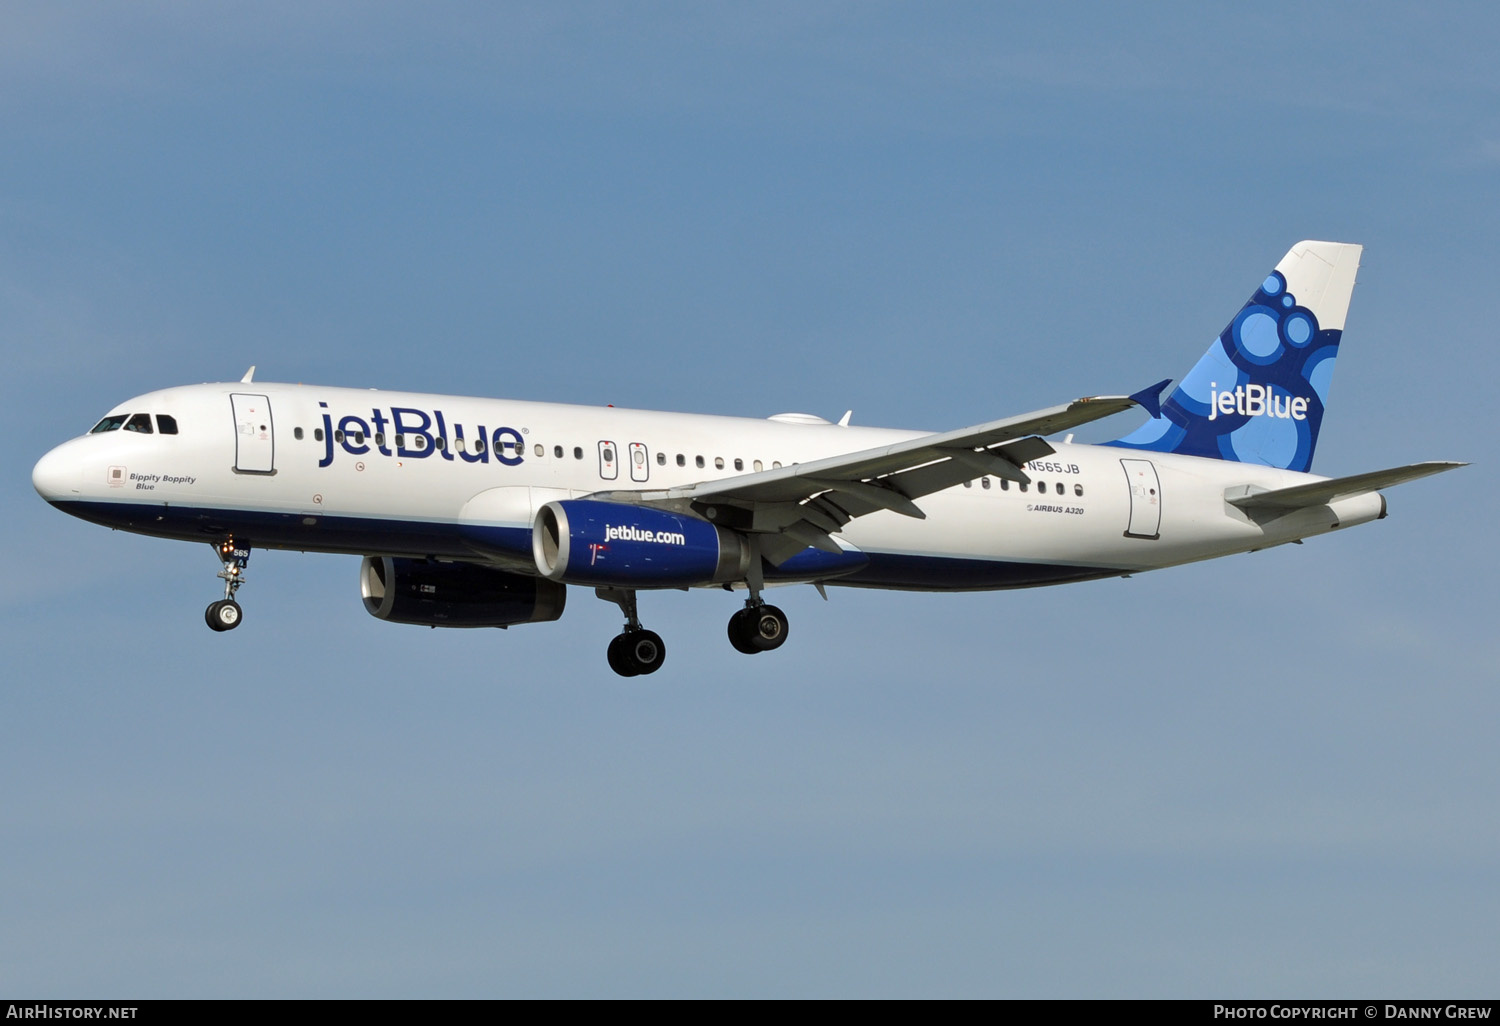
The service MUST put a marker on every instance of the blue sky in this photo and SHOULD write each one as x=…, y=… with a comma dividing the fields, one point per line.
x=1270, y=775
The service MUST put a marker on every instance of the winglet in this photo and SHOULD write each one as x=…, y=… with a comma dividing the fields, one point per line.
x=249, y=375
x=1149, y=399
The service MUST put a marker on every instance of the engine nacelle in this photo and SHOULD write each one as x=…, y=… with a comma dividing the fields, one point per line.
x=455, y=594
x=614, y=544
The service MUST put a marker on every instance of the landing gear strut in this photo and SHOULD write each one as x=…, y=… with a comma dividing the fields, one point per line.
x=758, y=627
x=634, y=650
x=225, y=615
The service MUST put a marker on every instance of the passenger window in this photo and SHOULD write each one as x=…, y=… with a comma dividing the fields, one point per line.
x=739, y=464
x=1078, y=490
x=681, y=460
x=419, y=442
x=338, y=435
x=108, y=424
x=168, y=425
x=140, y=422
x=400, y=441
x=968, y=484
x=380, y=440
x=608, y=454
x=359, y=437
x=775, y=464
x=318, y=433
x=718, y=463
x=985, y=482
x=578, y=452
x=296, y=433
x=661, y=459
x=699, y=461
x=758, y=465
x=441, y=443
x=1004, y=485
x=1023, y=486
x=557, y=451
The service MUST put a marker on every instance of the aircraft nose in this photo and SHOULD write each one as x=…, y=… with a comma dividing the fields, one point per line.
x=57, y=475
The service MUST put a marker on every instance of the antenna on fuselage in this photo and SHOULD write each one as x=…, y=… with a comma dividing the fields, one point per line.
x=249, y=375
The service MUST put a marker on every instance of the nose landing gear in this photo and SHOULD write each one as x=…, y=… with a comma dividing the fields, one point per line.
x=225, y=615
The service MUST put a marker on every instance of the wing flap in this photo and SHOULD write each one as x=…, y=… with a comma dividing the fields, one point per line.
x=859, y=499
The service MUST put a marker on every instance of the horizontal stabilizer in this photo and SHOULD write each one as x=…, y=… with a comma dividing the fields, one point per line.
x=1320, y=493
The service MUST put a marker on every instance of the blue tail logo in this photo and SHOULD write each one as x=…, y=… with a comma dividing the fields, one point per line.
x=1259, y=393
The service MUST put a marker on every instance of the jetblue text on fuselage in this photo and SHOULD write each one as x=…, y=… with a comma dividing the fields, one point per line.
x=410, y=433
x=1254, y=401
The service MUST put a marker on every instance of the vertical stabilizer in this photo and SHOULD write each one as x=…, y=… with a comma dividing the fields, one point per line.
x=1258, y=395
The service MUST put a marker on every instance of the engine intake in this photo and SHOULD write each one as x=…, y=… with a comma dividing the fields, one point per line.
x=455, y=594
x=608, y=544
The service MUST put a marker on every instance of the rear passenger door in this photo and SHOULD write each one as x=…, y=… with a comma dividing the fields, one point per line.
x=1145, y=499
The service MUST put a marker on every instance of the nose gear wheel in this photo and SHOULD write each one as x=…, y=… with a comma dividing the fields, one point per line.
x=223, y=615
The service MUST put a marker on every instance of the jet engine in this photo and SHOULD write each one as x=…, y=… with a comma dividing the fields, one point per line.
x=455, y=594
x=614, y=544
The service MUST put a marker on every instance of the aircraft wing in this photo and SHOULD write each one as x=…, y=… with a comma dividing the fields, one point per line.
x=790, y=508
x=1321, y=492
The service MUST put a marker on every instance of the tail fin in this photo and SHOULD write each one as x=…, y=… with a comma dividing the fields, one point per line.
x=1259, y=393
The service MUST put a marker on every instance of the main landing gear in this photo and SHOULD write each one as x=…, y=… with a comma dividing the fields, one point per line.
x=225, y=615
x=635, y=650
x=757, y=628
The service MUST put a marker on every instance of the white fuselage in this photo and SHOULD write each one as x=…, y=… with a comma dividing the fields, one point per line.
x=323, y=469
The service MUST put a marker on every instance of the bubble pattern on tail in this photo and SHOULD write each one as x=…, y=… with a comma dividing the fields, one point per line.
x=1258, y=394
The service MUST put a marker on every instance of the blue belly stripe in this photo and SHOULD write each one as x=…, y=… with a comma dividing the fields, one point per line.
x=374, y=536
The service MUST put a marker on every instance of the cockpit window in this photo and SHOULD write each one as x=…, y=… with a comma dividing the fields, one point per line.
x=110, y=423
x=139, y=422
x=165, y=424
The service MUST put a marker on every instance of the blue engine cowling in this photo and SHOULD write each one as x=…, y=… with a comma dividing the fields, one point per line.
x=434, y=594
x=614, y=544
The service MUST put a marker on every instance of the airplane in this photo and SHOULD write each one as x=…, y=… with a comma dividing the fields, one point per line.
x=477, y=512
